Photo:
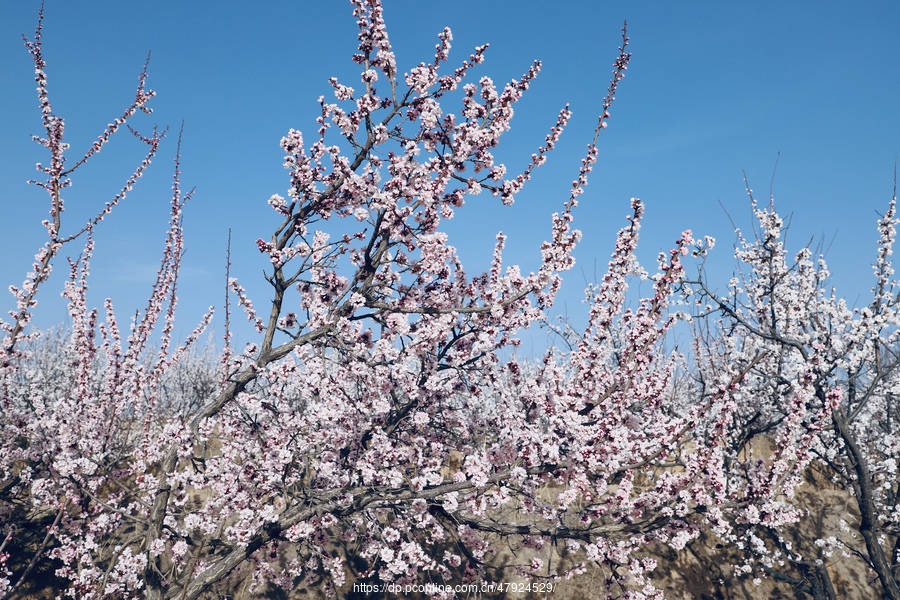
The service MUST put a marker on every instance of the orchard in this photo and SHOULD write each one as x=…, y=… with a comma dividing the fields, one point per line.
x=382, y=432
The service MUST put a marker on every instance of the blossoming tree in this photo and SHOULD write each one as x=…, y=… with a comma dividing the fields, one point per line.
x=376, y=431
x=823, y=395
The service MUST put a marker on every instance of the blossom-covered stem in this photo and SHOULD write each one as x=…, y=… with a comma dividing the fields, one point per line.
x=226, y=349
x=57, y=178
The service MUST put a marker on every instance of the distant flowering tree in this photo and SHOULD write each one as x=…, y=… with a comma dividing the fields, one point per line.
x=823, y=394
x=374, y=433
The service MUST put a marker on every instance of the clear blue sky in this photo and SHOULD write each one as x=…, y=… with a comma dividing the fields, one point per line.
x=714, y=89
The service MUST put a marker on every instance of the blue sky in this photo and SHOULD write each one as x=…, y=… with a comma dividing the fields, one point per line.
x=714, y=89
